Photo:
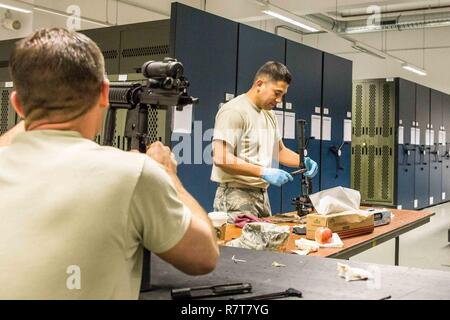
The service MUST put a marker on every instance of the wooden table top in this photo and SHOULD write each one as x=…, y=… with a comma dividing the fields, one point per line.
x=402, y=220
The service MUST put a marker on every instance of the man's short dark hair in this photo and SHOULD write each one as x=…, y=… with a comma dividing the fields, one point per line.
x=275, y=71
x=58, y=74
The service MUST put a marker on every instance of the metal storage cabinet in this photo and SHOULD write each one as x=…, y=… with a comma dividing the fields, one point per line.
x=108, y=40
x=414, y=176
x=434, y=147
x=6, y=47
x=422, y=165
x=8, y=117
x=446, y=148
x=373, y=152
x=406, y=102
x=142, y=42
x=207, y=47
x=255, y=48
x=336, y=104
x=305, y=94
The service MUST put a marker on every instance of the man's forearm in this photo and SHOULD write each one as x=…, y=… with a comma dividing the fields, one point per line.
x=236, y=166
x=289, y=158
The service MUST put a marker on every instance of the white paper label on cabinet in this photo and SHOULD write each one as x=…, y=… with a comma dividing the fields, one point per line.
x=280, y=105
x=400, y=135
x=400, y=122
x=399, y=207
x=347, y=130
x=288, y=106
x=182, y=120
x=427, y=137
x=326, y=129
x=443, y=195
x=413, y=135
x=317, y=110
x=289, y=125
x=349, y=114
x=417, y=136
x=229, y=96
x=416, y=203
x=315, y=126
x=123, y=77
x=9, y=84
x=280, y=119
x=431, y=200
x=326, y=111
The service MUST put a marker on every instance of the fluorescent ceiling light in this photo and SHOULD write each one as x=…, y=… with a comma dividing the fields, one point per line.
x=414, y=69
x=370, y=28
x=438, y=24
x=6, y=6
x=372, y=52
x=287, y=16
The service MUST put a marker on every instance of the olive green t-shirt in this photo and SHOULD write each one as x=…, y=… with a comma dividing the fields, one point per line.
x=252, y=133
x=74, y=217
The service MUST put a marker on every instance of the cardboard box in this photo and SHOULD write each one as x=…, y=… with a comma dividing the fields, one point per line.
x=381, y=216
x=344, y=224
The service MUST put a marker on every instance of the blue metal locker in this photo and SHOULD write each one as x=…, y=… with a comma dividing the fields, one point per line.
x=422, y=164
x=305, y=94
x=336, y=107
x=434, y=147
x=406, y=102
x=255, y=48
x=207, y=46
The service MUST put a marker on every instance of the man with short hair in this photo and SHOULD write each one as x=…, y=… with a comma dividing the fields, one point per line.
x=74, y=215
x=246, y=141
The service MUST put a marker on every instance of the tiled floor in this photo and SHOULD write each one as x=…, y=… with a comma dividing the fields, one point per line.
x=425, y=247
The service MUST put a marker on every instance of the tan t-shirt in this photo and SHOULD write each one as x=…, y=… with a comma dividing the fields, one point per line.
x=74, y=213
x=253, y=135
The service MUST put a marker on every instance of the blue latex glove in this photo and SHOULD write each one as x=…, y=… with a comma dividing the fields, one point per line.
x=312, y=168
x=276, y=177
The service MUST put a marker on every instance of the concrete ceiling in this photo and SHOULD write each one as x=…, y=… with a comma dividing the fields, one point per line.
x=427, y=48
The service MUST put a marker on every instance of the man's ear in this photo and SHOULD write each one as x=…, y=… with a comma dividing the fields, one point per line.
x=17, y=105
x=258, y=84
x=104, y=95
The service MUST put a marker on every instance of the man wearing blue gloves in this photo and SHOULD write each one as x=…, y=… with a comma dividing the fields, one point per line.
x=245, y=143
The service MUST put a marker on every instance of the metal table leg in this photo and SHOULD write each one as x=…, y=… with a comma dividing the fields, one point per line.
x=397, y=249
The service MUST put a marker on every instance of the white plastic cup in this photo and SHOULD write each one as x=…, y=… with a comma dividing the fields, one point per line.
x=219, y=222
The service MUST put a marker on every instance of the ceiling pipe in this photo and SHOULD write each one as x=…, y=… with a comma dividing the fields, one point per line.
x=333, y=27
x=390, y=13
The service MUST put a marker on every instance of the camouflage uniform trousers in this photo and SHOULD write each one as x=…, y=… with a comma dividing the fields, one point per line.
x=239, y=200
